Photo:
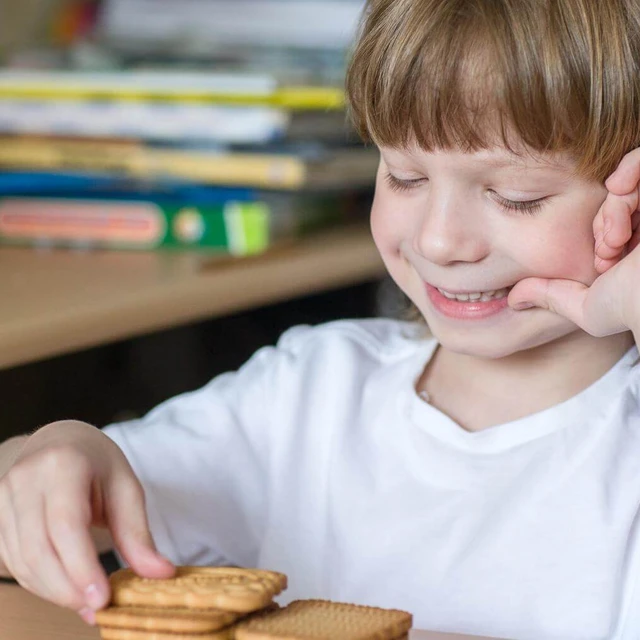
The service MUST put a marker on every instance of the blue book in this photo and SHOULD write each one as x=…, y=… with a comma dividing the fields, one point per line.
x=74, y=185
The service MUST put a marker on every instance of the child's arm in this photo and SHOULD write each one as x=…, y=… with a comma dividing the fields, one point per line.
x=55, y=486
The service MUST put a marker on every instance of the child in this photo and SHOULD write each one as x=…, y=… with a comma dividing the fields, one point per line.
x=486, y=479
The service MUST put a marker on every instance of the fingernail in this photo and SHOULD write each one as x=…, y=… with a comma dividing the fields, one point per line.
x=521, y=306
x=93, y=597
x=88, y=615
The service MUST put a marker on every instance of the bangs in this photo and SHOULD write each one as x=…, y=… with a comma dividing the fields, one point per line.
x=549, y=76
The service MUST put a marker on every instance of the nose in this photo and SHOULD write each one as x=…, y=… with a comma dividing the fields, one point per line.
x=448, y=231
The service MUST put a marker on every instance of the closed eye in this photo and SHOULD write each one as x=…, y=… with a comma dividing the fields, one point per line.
x=397, y=184
x=529, y=207
x=523, y=206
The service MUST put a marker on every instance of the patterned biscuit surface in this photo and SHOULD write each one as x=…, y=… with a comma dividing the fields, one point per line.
x=226, y=588
x=173, y=619
x=324, y=620
x=108, y=633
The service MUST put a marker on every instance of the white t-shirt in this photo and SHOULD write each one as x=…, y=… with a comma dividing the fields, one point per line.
x=318, y=459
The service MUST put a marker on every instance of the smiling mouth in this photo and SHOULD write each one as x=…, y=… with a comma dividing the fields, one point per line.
x=480, y=296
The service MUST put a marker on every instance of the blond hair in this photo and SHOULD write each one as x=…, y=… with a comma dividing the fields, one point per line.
x=556, y=75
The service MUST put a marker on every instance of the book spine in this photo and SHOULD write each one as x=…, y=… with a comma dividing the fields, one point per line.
x=294, y=98
x=238, y=228
x=145, y=121
x=318, y=24
x=74, y=185
x=271, y=171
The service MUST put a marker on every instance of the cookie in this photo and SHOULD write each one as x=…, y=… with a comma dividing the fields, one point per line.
x=227, y=588
x=109, y=633
x=167, y=619
x=325, y=620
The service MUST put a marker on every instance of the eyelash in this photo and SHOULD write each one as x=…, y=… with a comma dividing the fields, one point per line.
x=529, y=207
x=396, y=184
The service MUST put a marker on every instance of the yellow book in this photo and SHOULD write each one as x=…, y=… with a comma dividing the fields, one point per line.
x=169, y=86
x=353, y=167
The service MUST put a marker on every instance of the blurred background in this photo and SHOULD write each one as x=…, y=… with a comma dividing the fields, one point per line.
x=173, y=137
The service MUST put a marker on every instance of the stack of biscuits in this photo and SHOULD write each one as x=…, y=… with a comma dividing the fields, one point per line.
x=225, y=603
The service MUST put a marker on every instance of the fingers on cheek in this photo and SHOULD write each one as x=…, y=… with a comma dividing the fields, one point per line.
x=602, y=265
x=607, y=215
x=606, y=252
x=612, y=232
x=618, y=226
x=627, y=173
x=598, y=227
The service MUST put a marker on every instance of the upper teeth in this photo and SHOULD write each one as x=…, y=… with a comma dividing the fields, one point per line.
x=482, y=296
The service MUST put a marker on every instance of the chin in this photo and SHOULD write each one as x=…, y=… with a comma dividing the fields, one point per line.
x=490, y=350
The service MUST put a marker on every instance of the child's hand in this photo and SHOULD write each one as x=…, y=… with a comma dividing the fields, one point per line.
x=69, y=477
x=612, y=303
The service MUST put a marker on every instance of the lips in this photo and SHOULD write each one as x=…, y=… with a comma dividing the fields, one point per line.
x=463, y=306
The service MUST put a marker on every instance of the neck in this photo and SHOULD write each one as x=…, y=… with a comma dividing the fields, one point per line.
x=471, y=390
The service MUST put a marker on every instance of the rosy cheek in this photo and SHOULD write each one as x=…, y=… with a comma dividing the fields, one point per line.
x=565, y=253
x=384, y=225
x=376, y=222
x=568, y=247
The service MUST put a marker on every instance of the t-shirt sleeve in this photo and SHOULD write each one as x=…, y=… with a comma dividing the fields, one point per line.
x=203, y=459
x=635, y=378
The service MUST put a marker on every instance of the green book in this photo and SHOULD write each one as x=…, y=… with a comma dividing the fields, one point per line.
x=234, y=227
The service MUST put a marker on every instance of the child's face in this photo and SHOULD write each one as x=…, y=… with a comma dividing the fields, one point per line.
x=477, y=223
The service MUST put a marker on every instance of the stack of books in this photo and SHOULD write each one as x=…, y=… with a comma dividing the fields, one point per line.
x=162, y=158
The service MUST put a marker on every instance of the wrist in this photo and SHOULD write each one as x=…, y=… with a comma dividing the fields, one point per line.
x=58, y=433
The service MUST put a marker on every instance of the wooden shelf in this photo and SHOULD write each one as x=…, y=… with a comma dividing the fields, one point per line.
x=55, y=302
